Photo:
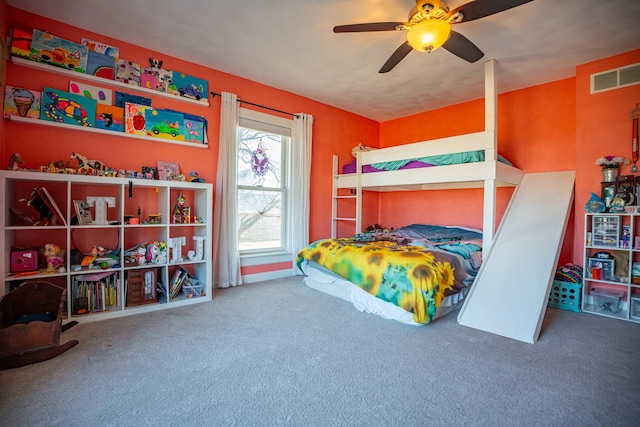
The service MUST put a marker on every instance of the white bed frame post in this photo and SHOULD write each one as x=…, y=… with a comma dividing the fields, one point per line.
x=334, y=198
x=490, y=125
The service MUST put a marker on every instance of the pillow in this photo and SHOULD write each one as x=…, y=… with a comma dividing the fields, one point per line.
x=360, y=147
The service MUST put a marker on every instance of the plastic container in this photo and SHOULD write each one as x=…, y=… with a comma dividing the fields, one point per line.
x=193, y=289
x=607, y=301
x=635, y=307
x=565, y=295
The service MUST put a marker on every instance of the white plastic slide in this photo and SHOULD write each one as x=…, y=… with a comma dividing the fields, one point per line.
x=510, y=294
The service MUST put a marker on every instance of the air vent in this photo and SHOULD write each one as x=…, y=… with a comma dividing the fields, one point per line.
x=614, y=79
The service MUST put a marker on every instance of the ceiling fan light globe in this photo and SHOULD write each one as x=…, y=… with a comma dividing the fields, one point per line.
x=428, y=35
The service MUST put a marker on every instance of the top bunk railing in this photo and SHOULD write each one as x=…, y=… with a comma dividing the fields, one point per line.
x=451, y=145
x=462, y=175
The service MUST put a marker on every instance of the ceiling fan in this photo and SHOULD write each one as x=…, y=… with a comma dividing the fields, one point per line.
x=429, y=27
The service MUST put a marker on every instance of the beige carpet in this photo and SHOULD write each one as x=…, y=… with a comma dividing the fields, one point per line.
x=279, y=353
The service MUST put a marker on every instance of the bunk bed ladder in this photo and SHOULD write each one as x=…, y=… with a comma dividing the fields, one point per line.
x=356, y=195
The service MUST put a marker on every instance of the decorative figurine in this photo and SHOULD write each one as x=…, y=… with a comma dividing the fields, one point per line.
x=177, y=210
x=54, y=260
x=16, y=162
x=84, y=163
x=595, y=204
x=186, y=214
x=194, y=177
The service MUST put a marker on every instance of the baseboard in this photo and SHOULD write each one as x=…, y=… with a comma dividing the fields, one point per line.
x=270, y=275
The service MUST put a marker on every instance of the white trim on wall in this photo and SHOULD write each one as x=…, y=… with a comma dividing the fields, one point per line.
x=270, y=275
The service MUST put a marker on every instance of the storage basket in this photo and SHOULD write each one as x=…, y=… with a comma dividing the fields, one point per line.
x=565, y=295
x=192, y=288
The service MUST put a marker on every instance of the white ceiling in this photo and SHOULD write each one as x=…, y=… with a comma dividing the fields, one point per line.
x=290, y=45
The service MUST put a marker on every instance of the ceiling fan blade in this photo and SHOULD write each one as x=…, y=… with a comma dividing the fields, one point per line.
x=462, y=47
x=480, y=8
x=372, y=26
x=396, y=57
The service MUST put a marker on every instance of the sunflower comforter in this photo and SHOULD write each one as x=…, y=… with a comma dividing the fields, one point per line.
x=414, y=267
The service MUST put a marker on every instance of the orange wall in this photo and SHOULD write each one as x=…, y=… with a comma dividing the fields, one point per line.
x=334, y=130
x=3, y=30
x=536, y=131
x=549, y=127
x=604, y=128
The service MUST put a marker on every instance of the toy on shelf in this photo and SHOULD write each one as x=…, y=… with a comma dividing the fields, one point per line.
x=16, y=162
x=186, y=215
x=42, y=201
x=153, y=219
x=53, y=253
x=178, y=209
x=99, y=257
x=194, y=177
x=84, y=163
x=147, y=253
x=157, y=253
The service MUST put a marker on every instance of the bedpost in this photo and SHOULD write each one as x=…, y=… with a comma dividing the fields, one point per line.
x=359, y=192
x=491, y=106
x=334, y=199
x=490, y=124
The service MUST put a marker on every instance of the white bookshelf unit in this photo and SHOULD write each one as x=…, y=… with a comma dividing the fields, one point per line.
x=611, y=285
x=133, y=198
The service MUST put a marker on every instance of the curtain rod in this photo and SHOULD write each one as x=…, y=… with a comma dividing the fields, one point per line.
x=258, y=105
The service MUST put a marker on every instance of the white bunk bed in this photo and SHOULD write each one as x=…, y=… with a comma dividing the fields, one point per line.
x=488, y=175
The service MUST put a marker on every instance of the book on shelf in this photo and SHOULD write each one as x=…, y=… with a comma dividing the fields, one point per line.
x=94, y=292
x=48, y=200
x=179, y=277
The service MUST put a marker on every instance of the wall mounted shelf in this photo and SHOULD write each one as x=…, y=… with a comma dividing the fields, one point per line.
x=106, y=82
x=39, y=122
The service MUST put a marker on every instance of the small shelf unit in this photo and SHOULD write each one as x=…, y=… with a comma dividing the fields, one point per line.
x=611, y=284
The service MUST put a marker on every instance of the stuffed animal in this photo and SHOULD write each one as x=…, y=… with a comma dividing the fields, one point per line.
x=157, y=253
x=156, y=64
x=360, y=147
x=140, y=257
x=54, y=260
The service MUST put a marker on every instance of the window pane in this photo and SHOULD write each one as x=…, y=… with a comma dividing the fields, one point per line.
x=259, y=159
x=259, y=219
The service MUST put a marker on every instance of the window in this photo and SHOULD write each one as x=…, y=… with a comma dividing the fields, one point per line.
x=262, y=153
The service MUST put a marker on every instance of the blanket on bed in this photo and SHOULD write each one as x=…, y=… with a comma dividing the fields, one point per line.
x=414, y=267
x=421, y=162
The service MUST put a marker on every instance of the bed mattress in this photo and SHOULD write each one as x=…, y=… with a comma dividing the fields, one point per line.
x=328, y=282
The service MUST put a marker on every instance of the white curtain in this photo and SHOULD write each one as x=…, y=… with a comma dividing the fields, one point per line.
x=300, y=167
x=226, y=257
